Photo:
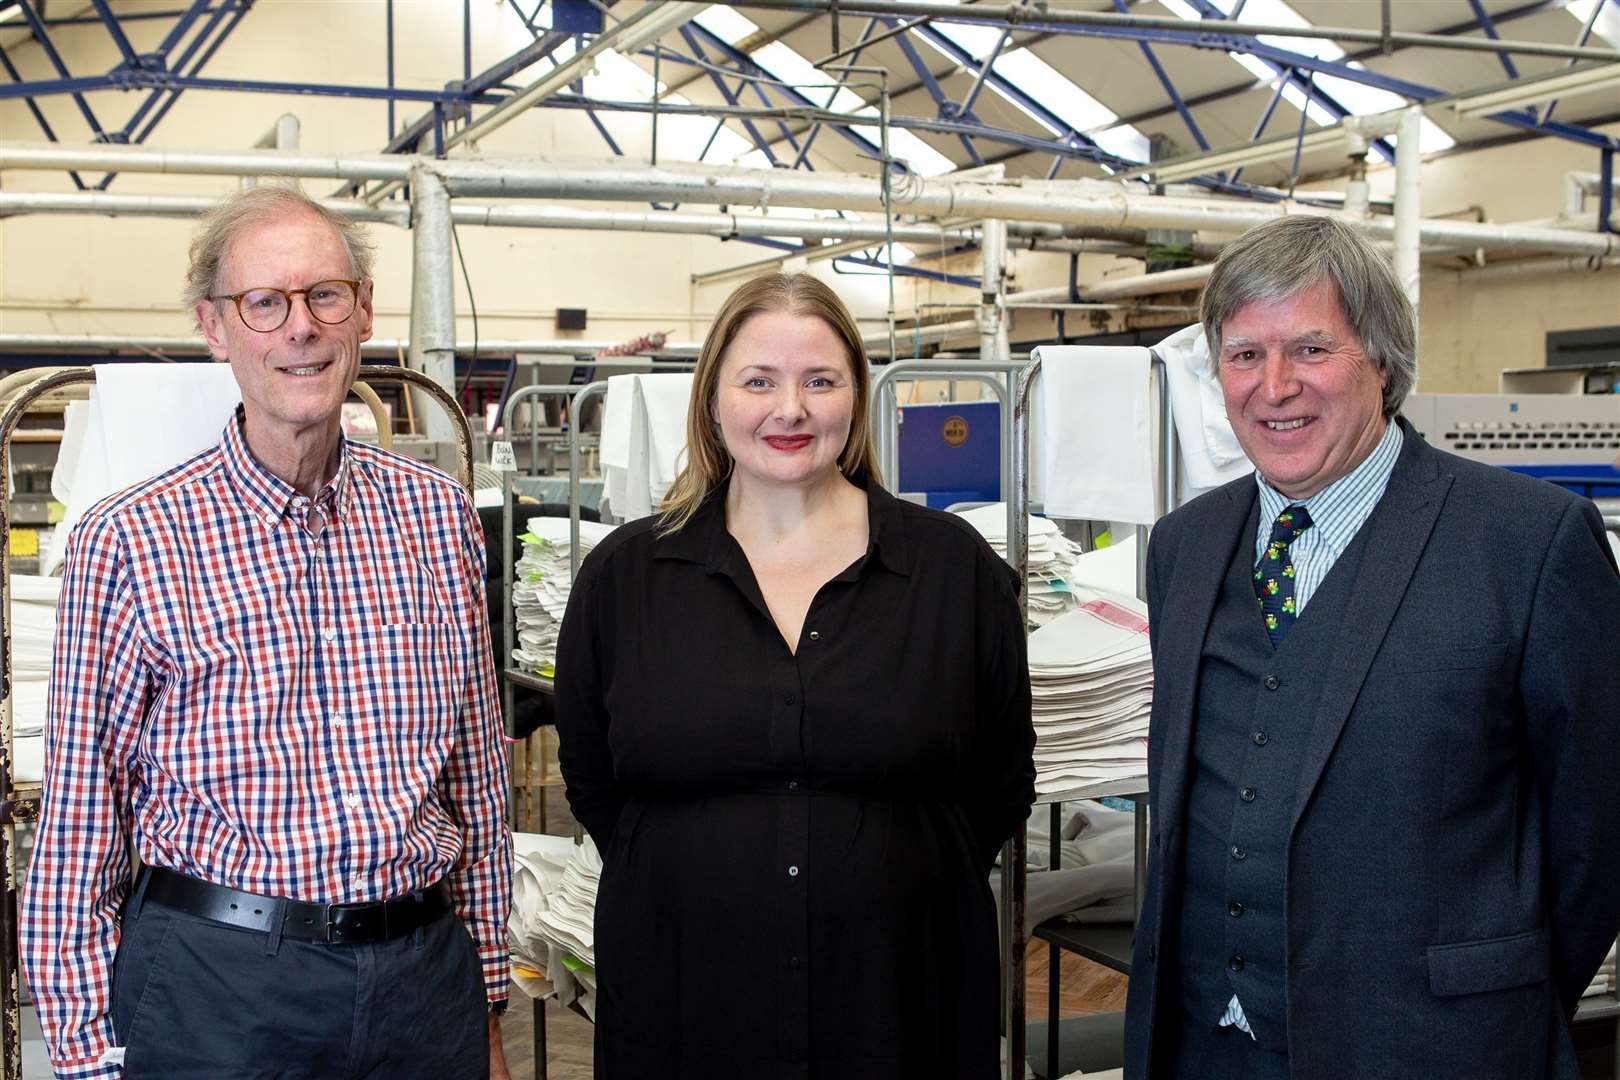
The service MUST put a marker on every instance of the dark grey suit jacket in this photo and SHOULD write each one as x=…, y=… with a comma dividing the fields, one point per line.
x=1453, y=877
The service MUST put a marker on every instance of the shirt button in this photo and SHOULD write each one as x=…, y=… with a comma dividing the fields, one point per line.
x=793, y=785
x=1272, y=682
x=1260, y=738
x=1235, y=910
x=815, y=635
x=337, y=719
x=351, y=801
x=788, y=699
x=793, y=962
x=1248, y=794
x=1238, y=853
x=1236, y=963
x=329, y=634
x=793, y=871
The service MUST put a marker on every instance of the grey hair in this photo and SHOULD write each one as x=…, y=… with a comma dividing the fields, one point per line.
x=252, y=207
x=1285, y=257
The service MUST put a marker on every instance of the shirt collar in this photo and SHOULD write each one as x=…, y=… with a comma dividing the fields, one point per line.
x=1339, y=510
x=704, y=538
x=270, y=498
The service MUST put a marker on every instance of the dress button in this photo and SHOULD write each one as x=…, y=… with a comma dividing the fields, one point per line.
x=1236, y=963
x=793, y=871
x=1248, y=794
x=1272, y=682
x=815, y=635
x=1260, y=738
x=1235, y=910
x=1238, y=853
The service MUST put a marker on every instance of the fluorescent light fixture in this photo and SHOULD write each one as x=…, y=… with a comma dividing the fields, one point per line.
x=1533, y=91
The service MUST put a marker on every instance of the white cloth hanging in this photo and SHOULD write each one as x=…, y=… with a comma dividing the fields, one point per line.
x=643, y=439
x=1210, y=454
x=1096, y=433
x=141, y=420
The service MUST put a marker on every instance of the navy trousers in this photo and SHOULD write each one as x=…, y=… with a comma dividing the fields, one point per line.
x=1203, y=1051
x=198, y=1000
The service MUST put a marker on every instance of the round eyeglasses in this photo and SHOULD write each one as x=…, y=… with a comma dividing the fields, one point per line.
x=265, y=310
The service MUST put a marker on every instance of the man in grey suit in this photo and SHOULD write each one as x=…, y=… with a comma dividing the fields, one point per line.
x=1385, y=748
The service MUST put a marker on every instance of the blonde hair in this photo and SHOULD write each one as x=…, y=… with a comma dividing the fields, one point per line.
x=707, y=462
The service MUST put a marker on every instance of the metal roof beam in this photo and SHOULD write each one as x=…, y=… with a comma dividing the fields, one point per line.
x=1017, y=15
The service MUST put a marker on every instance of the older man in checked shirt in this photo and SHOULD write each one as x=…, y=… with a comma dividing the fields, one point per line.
x=273, y=682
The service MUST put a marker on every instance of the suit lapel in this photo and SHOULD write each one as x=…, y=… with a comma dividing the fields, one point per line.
x=1397, y=532
x=1186, y=611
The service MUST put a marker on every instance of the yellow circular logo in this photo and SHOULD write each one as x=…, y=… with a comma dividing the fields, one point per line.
x=956, y=431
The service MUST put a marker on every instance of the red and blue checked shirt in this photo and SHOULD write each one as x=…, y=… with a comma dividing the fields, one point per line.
x=289, y=696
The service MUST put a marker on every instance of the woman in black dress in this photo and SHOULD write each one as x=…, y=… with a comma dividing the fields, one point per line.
x=794, y=715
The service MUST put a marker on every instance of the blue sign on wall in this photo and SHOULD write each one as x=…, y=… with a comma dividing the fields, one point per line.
x=951, y=451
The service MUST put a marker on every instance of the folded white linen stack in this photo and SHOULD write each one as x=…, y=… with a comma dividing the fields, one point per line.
x=569, y=918
x=1091, y=675
x=1051, y=557
x=538, y=864
x=541, y=584
x=1603, y=982
x=33, y=633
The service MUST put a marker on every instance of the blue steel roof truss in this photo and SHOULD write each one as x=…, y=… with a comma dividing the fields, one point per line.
x=165, y=81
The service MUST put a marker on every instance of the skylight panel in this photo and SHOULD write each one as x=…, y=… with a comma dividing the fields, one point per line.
x=908, y=147
x=788, y=66
x=620, y=79
x=1123, y=141
x=1607, y=26
x=977, y=38
x=1056, y=91
x=726, y=23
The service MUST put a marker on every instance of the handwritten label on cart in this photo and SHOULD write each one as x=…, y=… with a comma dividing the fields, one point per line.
x=501, y=458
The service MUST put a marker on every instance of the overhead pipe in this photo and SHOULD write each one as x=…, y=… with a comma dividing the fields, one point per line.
x=584, y=352
x=1577, y=186
x=515, y=216
x=1529, y=267
x=1190, y=277
x=433, y=297
x=1029, y=200
x=1409, y=204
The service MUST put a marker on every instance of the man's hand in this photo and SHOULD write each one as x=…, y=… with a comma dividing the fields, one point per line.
x=497, y=1055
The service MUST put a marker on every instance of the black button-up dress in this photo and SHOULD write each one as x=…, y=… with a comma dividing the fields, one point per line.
x=796, y=847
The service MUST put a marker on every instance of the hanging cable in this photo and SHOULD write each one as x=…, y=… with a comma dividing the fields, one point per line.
x=466, y=279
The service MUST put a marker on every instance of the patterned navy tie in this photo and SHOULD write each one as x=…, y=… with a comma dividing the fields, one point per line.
x=1274, y=576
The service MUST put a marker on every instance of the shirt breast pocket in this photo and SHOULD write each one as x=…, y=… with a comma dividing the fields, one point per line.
x=409, y=676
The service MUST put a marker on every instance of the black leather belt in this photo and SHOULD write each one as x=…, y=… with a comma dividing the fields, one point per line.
x=338, y=924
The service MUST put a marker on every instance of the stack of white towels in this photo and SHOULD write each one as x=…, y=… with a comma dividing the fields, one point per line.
x=33, y=632
x=1604, y=982
x=1091, y=675
x=541, y=584
x=1051, y=559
